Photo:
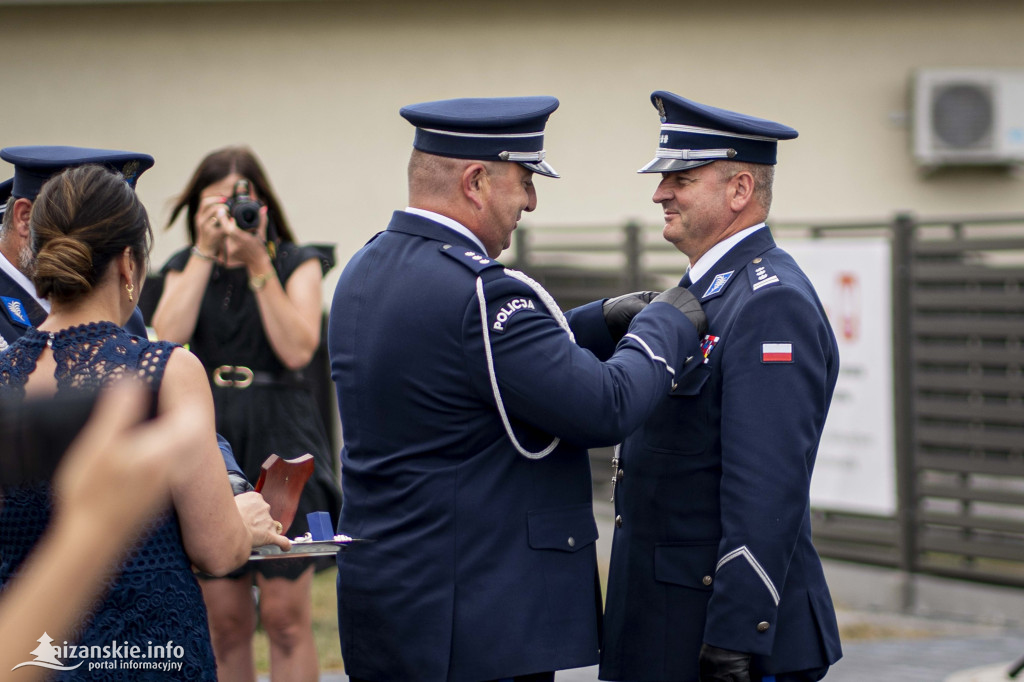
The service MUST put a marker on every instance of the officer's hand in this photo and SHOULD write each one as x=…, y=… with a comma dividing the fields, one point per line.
x=687, y=304
x=620, y=311
x=722, y=665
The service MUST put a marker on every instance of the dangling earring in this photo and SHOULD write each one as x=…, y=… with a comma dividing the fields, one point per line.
x=130, y=288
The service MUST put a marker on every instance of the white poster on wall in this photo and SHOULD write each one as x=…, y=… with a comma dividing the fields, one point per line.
x=856, y=466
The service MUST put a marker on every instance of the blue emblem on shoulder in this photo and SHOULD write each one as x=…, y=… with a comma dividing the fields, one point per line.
x=471, y=259
x=718, y=283
x=761, y=274
x=15, y=310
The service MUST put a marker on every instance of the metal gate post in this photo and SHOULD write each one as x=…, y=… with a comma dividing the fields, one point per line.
x=903, y=402
x=522, y=243
x=633, y=277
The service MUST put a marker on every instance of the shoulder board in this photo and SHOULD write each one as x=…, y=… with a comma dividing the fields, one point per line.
x=761, y=273
x=471, y=259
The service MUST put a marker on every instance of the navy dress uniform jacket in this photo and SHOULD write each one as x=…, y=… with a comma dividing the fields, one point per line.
x=18, y=306
x=713, y=536
x=484, y=561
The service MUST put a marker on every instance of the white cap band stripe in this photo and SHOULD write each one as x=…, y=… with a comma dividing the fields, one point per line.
x=452, y=133
x=676, y=128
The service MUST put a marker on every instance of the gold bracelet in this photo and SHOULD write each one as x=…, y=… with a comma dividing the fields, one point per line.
x=200, y=255
x=257, y=282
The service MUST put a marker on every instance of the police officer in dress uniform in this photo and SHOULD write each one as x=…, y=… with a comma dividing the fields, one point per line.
x=33, y=166
x=713, y=575
x=20, y=309
x=467, y=409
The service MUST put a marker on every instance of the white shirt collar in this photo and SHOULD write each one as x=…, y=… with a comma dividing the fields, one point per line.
x=24, y=282
x=718, y=251
x=449, y=223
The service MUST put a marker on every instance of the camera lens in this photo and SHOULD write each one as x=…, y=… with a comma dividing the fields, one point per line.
x=246, y=213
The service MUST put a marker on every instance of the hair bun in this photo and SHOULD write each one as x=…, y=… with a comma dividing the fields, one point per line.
x=63, y=265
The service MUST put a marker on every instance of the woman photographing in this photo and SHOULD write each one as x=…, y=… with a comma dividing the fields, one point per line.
x=247, y=300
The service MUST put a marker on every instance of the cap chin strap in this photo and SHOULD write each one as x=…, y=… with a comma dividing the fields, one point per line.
x=695, y=154
x=523, y=157
x=556, y=312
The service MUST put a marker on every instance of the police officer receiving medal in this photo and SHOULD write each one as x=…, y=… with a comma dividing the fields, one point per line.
x=713, y=575
x=467, y=410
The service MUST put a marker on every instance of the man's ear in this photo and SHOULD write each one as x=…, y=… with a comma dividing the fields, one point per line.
x=741, y=190
x=474, y=184
x=21, y=211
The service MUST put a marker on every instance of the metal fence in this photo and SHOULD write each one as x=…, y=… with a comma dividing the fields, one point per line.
x=958, y=346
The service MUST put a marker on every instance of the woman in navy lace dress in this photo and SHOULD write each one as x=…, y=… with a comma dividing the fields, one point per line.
x=91, y=238
x=247, y=299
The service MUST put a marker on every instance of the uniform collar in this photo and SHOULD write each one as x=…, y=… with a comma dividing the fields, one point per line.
x=449, y=223
x=708, y=261
x=19, y=278
x=714, y=282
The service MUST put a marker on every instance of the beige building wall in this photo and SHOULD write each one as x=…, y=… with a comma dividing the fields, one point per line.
x=315, y=88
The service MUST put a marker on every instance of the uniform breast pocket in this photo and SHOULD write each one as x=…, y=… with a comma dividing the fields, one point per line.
x=679, y=424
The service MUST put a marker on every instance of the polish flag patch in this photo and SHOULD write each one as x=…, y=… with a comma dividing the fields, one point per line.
x=776, y=352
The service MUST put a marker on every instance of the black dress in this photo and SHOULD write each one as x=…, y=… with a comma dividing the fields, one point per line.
x=278, y=413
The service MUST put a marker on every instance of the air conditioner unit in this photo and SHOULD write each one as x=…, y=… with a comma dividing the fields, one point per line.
x=968, y=117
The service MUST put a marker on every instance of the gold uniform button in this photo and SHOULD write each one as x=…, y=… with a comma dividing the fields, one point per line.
x=618, y=521
x=572, y=541
x=763, y=626
x=619, y=474
x=706, y=580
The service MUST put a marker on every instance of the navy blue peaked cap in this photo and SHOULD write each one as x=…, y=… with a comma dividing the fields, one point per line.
x=695, y=134
x=33, y=166
x=485, y=128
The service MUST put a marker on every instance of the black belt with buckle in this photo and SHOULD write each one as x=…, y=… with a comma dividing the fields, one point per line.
x=239, y=376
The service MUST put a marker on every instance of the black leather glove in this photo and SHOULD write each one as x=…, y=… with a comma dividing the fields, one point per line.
x=620, y=311
x=687, y=304
x=239, y=484
x=722, y=665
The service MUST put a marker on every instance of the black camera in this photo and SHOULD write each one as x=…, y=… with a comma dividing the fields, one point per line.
x=243, y=208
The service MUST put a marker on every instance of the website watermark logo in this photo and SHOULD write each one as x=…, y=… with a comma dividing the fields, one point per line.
x=114, y=656
x=46, y=656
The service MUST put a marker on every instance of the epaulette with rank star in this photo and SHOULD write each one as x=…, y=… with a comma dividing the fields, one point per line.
x=761, y=273
x=471, y=259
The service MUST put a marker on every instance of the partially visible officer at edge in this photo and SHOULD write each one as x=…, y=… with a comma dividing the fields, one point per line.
x=22, y=308
x=467, y=410
x=33, y=167
x=713, y=576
